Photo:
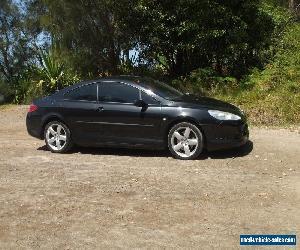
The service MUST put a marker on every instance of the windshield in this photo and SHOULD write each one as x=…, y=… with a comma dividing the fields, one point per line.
x=161, y=89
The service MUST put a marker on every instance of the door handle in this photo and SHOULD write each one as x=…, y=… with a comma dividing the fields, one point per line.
x=100, y=109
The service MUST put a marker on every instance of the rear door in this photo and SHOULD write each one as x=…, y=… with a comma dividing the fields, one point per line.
x=121, y=120
x=79, y=109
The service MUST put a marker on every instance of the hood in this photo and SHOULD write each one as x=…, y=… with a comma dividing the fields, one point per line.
x=191, y=101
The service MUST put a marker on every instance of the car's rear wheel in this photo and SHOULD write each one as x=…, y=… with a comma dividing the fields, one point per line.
x=185, y=141
x=58, y=137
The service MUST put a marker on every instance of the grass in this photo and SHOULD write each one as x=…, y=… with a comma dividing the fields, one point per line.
x=6, y=106
x=278, y=107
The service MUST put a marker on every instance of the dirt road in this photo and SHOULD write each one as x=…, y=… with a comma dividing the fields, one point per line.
x=101, y=198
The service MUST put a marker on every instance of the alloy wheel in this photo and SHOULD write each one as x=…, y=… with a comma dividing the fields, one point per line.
x=56, y=137
x=184, y=142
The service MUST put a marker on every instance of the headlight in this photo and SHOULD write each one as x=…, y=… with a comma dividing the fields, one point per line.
x=224, y=116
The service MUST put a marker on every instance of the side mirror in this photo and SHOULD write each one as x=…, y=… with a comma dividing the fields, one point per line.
x=140, y=103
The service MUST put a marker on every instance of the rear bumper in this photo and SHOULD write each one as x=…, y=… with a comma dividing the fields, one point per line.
x=226, y=135
x=33, y=125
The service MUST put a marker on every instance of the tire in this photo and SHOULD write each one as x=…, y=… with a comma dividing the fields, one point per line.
x=57, y=132
x=185, y=141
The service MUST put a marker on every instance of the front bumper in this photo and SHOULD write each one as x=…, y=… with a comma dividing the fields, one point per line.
x=226, y=135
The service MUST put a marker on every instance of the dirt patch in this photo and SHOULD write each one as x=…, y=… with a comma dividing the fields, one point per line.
x=104, y=198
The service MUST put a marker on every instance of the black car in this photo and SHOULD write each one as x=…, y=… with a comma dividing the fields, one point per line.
x=135, y=112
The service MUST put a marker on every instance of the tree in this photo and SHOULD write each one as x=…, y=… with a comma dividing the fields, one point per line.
x=293, y=5
x=15, y=51
x=185, y=35
x=180, y=36
x=90, y=34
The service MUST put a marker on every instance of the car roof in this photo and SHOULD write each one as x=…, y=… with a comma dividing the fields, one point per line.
x=137, y=81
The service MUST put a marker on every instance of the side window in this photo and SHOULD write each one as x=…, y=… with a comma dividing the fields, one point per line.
x=84, y=93
x=148, y=99
x=117, y=92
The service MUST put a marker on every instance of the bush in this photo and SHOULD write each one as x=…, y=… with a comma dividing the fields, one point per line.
x=6, y=92
x=272, y=96
x=36, y=82
x=205, y=82
x=54, y=75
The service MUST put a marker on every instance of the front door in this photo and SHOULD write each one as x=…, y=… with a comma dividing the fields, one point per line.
x=123, y=122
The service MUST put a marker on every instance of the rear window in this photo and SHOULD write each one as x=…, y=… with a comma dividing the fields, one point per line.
x=83, y=93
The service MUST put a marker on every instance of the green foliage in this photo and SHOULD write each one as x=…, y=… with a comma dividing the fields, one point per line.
x=44, y=80
x=15, y=48
x=280, y=15
x=91, y=34
x=5, y=92
x=53, y=75
x=205, y=82
x=240, y=51
x=178, y=36
x=22, y=88
x=272, y=96
x=229, y=36
x=269, y=96
x=284, y=70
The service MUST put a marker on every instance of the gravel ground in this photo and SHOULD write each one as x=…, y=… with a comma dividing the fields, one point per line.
x=111, y=198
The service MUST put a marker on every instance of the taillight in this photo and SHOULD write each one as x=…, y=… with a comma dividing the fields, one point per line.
x=32, y=108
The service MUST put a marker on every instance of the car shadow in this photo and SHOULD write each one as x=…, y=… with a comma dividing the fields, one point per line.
x=228, y=153
x=222, y=154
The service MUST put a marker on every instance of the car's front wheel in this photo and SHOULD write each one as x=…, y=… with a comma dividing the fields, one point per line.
x=185, y=141
x=58, y=137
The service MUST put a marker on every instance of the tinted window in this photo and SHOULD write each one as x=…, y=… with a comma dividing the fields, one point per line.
x=148, y=99
x=117, y=92
x=161, y=89
x=84, y=93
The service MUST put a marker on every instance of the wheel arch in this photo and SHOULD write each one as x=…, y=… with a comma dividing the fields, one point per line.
x=51, y=118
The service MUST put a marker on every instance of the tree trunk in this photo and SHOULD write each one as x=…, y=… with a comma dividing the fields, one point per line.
x=177, y=69
x=291, y=4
